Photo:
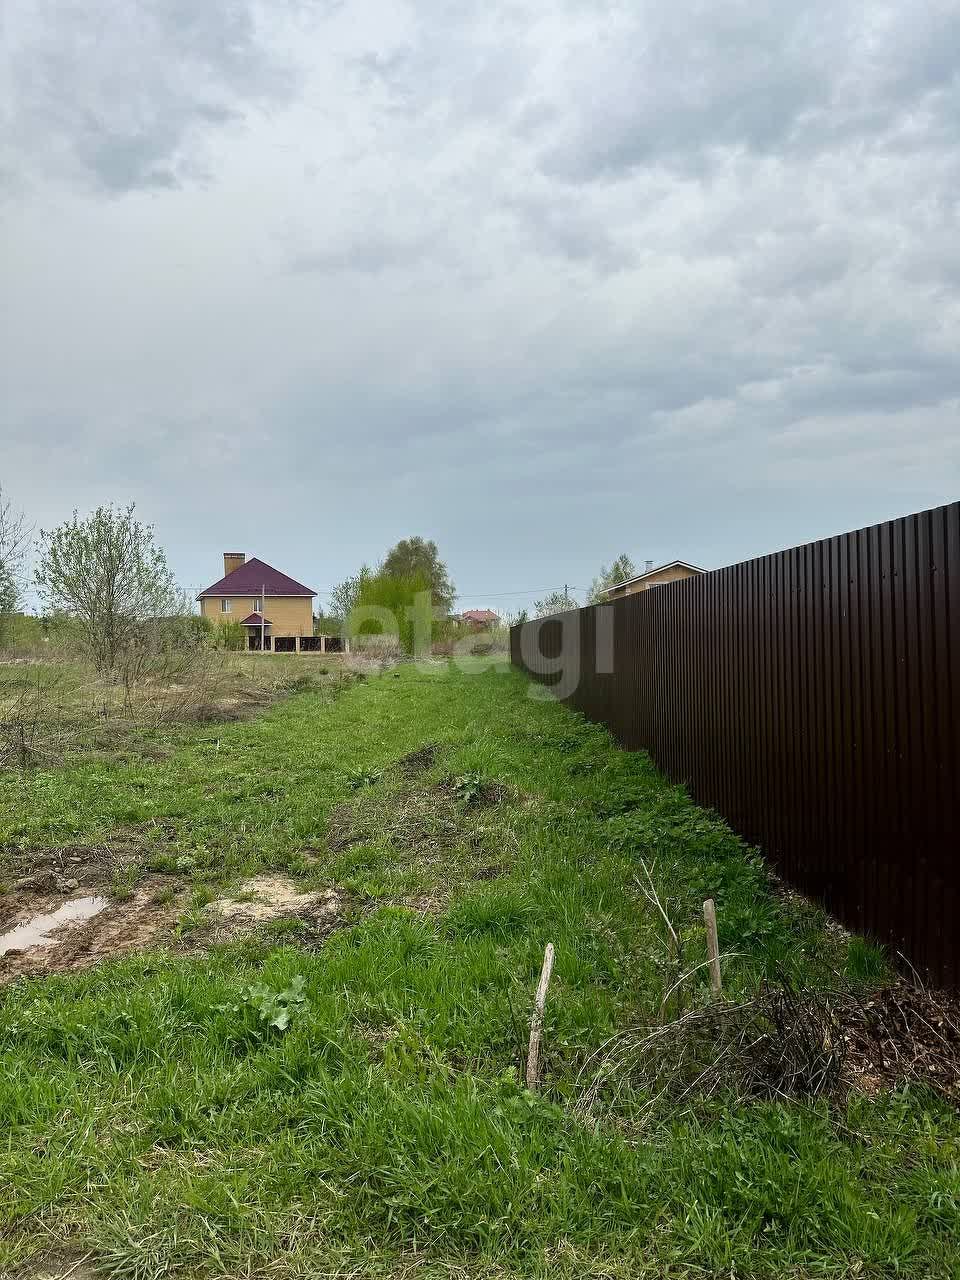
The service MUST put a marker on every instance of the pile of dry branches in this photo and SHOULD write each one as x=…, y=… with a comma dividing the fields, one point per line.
x=31, y=736
x=784, y=1043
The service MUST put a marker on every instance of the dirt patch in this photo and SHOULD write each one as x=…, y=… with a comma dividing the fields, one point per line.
x=43, y=930
x=59, y=1265
x=46, y=932
x=63, y=870
x=419, y=761
x=904, y=1033
x=270, y=897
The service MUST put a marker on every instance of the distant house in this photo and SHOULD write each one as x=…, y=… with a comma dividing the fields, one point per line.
x=275, y=610
x=479, y=618
x=674, y=571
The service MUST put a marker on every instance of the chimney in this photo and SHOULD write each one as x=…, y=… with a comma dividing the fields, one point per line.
x=646, y=570
x=232, y=560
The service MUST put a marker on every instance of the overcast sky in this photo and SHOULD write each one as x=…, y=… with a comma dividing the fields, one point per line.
x=545, y=280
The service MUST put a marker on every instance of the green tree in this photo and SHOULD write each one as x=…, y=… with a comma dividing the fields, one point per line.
x=343, y=598
x=393, y=605
x=108, y=573
x=555, y=602
x=414, y=556
x=621, y=569
x=230, y=635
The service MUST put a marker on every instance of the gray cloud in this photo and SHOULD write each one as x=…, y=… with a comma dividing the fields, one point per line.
x=675, y=84
x=544, y=281
x=118, y=95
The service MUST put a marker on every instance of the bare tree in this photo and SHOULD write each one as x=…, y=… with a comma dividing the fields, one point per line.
x=14, y=541
x=107, y=572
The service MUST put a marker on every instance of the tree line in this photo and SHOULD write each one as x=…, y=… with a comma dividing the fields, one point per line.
x=609, y=576
x=106, y=572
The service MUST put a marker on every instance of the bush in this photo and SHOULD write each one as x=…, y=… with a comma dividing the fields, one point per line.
x=231, y=636
x=28, y=636
x=396, y=607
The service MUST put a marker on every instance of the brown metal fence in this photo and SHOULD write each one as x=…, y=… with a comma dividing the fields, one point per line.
x=813, y=698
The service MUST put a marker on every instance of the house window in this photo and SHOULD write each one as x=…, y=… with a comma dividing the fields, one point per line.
x=256, y=606
x=226, y=606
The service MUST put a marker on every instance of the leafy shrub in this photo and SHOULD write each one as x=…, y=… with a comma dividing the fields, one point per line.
x=358, y=778
x=230, y=636
x=394, y=606
x=469, y=787
x=269, y=1008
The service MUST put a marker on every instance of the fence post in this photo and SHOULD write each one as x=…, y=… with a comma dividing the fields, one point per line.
x=713, y=949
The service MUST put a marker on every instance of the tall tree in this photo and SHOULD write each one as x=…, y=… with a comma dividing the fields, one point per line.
x=412, y=557
x=621, y=569
x=106, y=571
x=555, y=602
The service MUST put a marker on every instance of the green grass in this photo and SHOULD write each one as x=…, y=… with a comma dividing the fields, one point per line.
x=70, y=712
x=152, y=1115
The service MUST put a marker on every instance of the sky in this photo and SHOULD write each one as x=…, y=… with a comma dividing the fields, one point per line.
x=544, y=280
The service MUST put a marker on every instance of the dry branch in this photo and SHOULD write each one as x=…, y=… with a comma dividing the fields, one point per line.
x=536, y=1022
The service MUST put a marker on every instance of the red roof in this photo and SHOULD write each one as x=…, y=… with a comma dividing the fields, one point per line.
x=254, y=578
x=480, y=615
x=256, y=620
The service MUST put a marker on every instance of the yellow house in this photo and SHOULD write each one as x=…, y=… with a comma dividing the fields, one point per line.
x=275, y=609
x=674, y=571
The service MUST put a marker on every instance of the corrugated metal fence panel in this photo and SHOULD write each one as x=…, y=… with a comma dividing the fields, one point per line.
x=813, y=698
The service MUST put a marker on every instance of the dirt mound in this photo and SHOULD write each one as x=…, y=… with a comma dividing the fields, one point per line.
x=418, y=761
x=415, y=819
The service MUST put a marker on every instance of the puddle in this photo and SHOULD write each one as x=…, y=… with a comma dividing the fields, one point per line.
x=36, y=932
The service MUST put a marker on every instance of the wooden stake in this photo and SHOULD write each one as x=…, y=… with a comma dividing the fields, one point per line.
x=536, y=1022
x=713, y=949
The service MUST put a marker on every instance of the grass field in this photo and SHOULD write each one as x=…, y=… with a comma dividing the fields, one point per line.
x=59, y=709
x=156, y=1121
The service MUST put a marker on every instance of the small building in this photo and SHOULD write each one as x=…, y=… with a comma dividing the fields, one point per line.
x=674, y=571
x=479, y=618
x=275, y=610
